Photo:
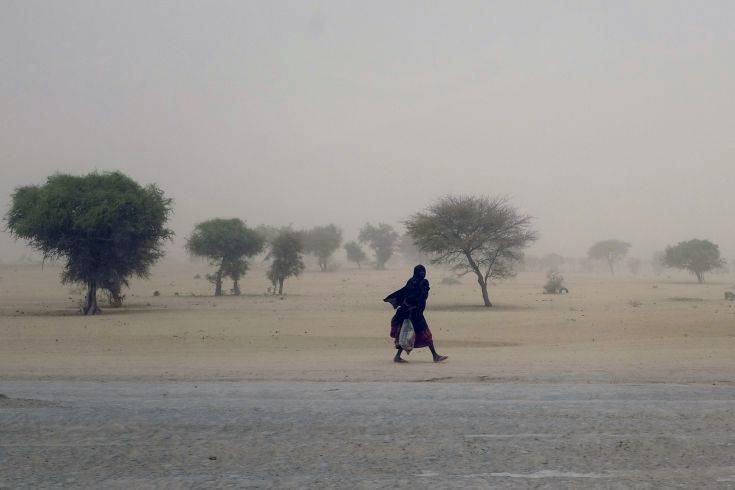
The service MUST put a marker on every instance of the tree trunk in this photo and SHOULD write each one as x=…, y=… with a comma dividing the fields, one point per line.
x=485, y=296
x=218, y=279
x=280, y=287
x=612, y=268
x=236, y=287
x=359, y=266
x=480, y=279
x=90, y=304
x=700, y=277
x=323, y=264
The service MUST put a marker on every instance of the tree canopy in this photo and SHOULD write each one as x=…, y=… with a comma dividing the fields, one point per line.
x=227, y=243
x=695, y=256
x=286, y=250
x=382, y=238
x=355, y=253
x=612, y=251
x=474, y=234
x=106, y=226
x=323, y=241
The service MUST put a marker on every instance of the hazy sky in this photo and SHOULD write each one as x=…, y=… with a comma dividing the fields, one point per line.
x=602, y=119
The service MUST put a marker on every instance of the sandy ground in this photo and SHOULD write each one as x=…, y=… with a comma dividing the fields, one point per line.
x=622, y=383
x=334, y=326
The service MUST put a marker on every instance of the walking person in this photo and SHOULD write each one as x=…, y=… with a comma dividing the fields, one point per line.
x=410, y=302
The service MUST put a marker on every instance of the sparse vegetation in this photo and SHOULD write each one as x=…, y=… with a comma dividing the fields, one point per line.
x=106, y=226
x=323, y=241
x=382, y=239
x=554, y=283
x=226, y=243
x=476, y=235
x=355, y=253
x=695, y=256
x=611, y=251
x=286, y=251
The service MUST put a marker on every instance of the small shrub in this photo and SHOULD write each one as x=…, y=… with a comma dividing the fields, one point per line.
x=555, y=283
x=450, y=281
x=156, y=293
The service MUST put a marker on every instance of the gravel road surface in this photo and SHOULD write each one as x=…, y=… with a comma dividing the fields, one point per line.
x=365, y=435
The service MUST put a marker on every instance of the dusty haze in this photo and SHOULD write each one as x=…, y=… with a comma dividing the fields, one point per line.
x=610, y=119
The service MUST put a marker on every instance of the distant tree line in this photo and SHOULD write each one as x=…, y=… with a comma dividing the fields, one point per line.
x=698, y=257
x=107, y=229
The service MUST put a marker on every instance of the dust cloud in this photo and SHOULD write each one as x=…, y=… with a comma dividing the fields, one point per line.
x=601, y=120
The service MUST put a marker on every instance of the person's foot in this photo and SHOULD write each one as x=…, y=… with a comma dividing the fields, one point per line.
x=440, y=358
x=399, y=359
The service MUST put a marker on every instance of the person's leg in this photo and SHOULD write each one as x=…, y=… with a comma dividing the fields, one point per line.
x=437, y=357
x=397, y=358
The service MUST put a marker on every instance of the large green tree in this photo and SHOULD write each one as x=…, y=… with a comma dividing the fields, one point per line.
x=227, y=244
x=695, y=256
x=474, y=234
x=106, y=226
x=286, y=254
x=611, y=251
x=382, y=238
x=323, y=241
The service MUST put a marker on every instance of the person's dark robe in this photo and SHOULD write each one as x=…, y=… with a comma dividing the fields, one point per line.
x=410, y=302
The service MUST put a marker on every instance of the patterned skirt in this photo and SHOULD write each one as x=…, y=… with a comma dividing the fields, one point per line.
x=423, y=337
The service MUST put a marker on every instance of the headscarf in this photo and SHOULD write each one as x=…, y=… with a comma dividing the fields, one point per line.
x=419, y=272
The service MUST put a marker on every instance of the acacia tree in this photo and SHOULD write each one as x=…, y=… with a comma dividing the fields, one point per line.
x=227, y=243
x=382, y=239
x=323, y=241
x=695, y=256
x=480, y=235
x=285, y=250
x=106, y=226
x=355, y=253
x=612, y=251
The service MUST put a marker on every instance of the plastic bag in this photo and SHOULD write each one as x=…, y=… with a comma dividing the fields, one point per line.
x=407, y=337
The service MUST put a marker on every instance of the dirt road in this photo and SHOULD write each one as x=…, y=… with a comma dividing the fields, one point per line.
x=366, y=435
